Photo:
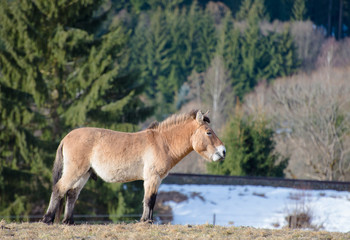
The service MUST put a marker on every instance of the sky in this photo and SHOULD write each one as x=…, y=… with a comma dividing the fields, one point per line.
x=259, y=206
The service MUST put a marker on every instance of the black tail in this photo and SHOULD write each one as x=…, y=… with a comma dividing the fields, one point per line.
x=56, y=175
x=58, y=165
x=56, y=202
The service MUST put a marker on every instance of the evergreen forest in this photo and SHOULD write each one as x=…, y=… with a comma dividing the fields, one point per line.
x=122, y=64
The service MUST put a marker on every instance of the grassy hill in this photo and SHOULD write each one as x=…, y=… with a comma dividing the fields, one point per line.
x=147, y=231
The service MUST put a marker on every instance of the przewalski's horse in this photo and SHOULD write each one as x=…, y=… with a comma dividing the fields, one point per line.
x=123, y=157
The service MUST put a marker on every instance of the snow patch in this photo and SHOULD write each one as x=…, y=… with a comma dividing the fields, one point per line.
x=258, y=206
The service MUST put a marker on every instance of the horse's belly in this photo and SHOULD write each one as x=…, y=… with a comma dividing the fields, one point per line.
x=114, y=172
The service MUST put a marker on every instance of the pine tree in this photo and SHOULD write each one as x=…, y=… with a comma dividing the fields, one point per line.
x=137, y=45
x=252, y=7
x=206, y=42
x=260, y=159
x=176, y=20
x=250, y=149
x=280, y=57
x=169, y=44
x=287, y=49
x=60, y=68
x=192, y=32
x=244, y=9
x=272, y=58
x=200, y=40
x=260, y=10
x=229, y=46
x=155, y=62
x=251, y=54
x=226, y=44
x=260, y=56
x=299, y=10
x=20, y=153
x=233, y=139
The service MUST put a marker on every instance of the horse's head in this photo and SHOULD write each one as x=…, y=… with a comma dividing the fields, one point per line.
x=204, y=140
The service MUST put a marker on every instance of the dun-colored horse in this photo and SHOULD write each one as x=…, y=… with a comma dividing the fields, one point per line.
x=123, y=157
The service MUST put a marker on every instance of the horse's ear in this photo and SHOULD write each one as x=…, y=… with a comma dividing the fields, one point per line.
x=205, y=117
x=200, y=117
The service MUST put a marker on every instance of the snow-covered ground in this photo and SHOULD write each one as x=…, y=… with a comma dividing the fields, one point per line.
x=259, y=206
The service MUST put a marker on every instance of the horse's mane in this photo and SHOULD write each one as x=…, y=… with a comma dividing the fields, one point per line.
x=175, y=120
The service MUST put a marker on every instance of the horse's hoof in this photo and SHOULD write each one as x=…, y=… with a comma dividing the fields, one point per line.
x=146, y=221
x=47, y=219
x=46, y=222
x=68, y=221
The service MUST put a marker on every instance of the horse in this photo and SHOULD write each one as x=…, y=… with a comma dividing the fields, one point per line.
x=146, y=155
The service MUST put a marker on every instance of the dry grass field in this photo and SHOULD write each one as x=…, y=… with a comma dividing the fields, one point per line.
x=147, y=231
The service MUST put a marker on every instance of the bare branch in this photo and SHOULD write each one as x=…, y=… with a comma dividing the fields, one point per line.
x=311, y=116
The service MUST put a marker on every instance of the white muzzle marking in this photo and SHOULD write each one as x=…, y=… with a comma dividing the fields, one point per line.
x=219, y=154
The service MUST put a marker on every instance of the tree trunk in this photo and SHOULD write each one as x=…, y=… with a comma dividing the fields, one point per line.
x=329, y=27
x=340, y=22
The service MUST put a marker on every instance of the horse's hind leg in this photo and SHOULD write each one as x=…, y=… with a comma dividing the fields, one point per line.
x=72, y=196
x=54, y=204
x=69, y=178
x=151, y=188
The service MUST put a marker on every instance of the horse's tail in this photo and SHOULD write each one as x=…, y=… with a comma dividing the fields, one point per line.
x=58, y=165
x=56, y=175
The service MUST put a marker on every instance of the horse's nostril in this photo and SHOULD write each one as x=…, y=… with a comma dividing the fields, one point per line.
x=224, y=153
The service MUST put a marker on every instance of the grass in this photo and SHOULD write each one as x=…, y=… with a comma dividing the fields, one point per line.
x=147, y=231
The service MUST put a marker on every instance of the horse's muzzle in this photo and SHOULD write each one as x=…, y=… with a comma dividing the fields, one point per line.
x=220, y=153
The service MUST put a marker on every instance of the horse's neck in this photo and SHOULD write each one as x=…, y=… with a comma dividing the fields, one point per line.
x=178, y=139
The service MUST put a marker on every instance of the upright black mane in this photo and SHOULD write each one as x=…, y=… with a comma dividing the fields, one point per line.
x=176, y=119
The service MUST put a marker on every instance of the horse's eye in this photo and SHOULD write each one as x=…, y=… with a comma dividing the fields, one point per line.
x=209, y=133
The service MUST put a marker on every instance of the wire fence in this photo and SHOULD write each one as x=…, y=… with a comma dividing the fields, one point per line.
x=79, y=218
x=92, y=219
x=127, y=218
x=107, y=219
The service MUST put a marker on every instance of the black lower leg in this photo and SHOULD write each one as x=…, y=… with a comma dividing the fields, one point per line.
x=48, y=218
x=147, y=215
x=151, y=203
x=55, y=199
x=71, y=198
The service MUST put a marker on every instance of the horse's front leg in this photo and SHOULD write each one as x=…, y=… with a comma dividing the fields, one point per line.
x=151, y=188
